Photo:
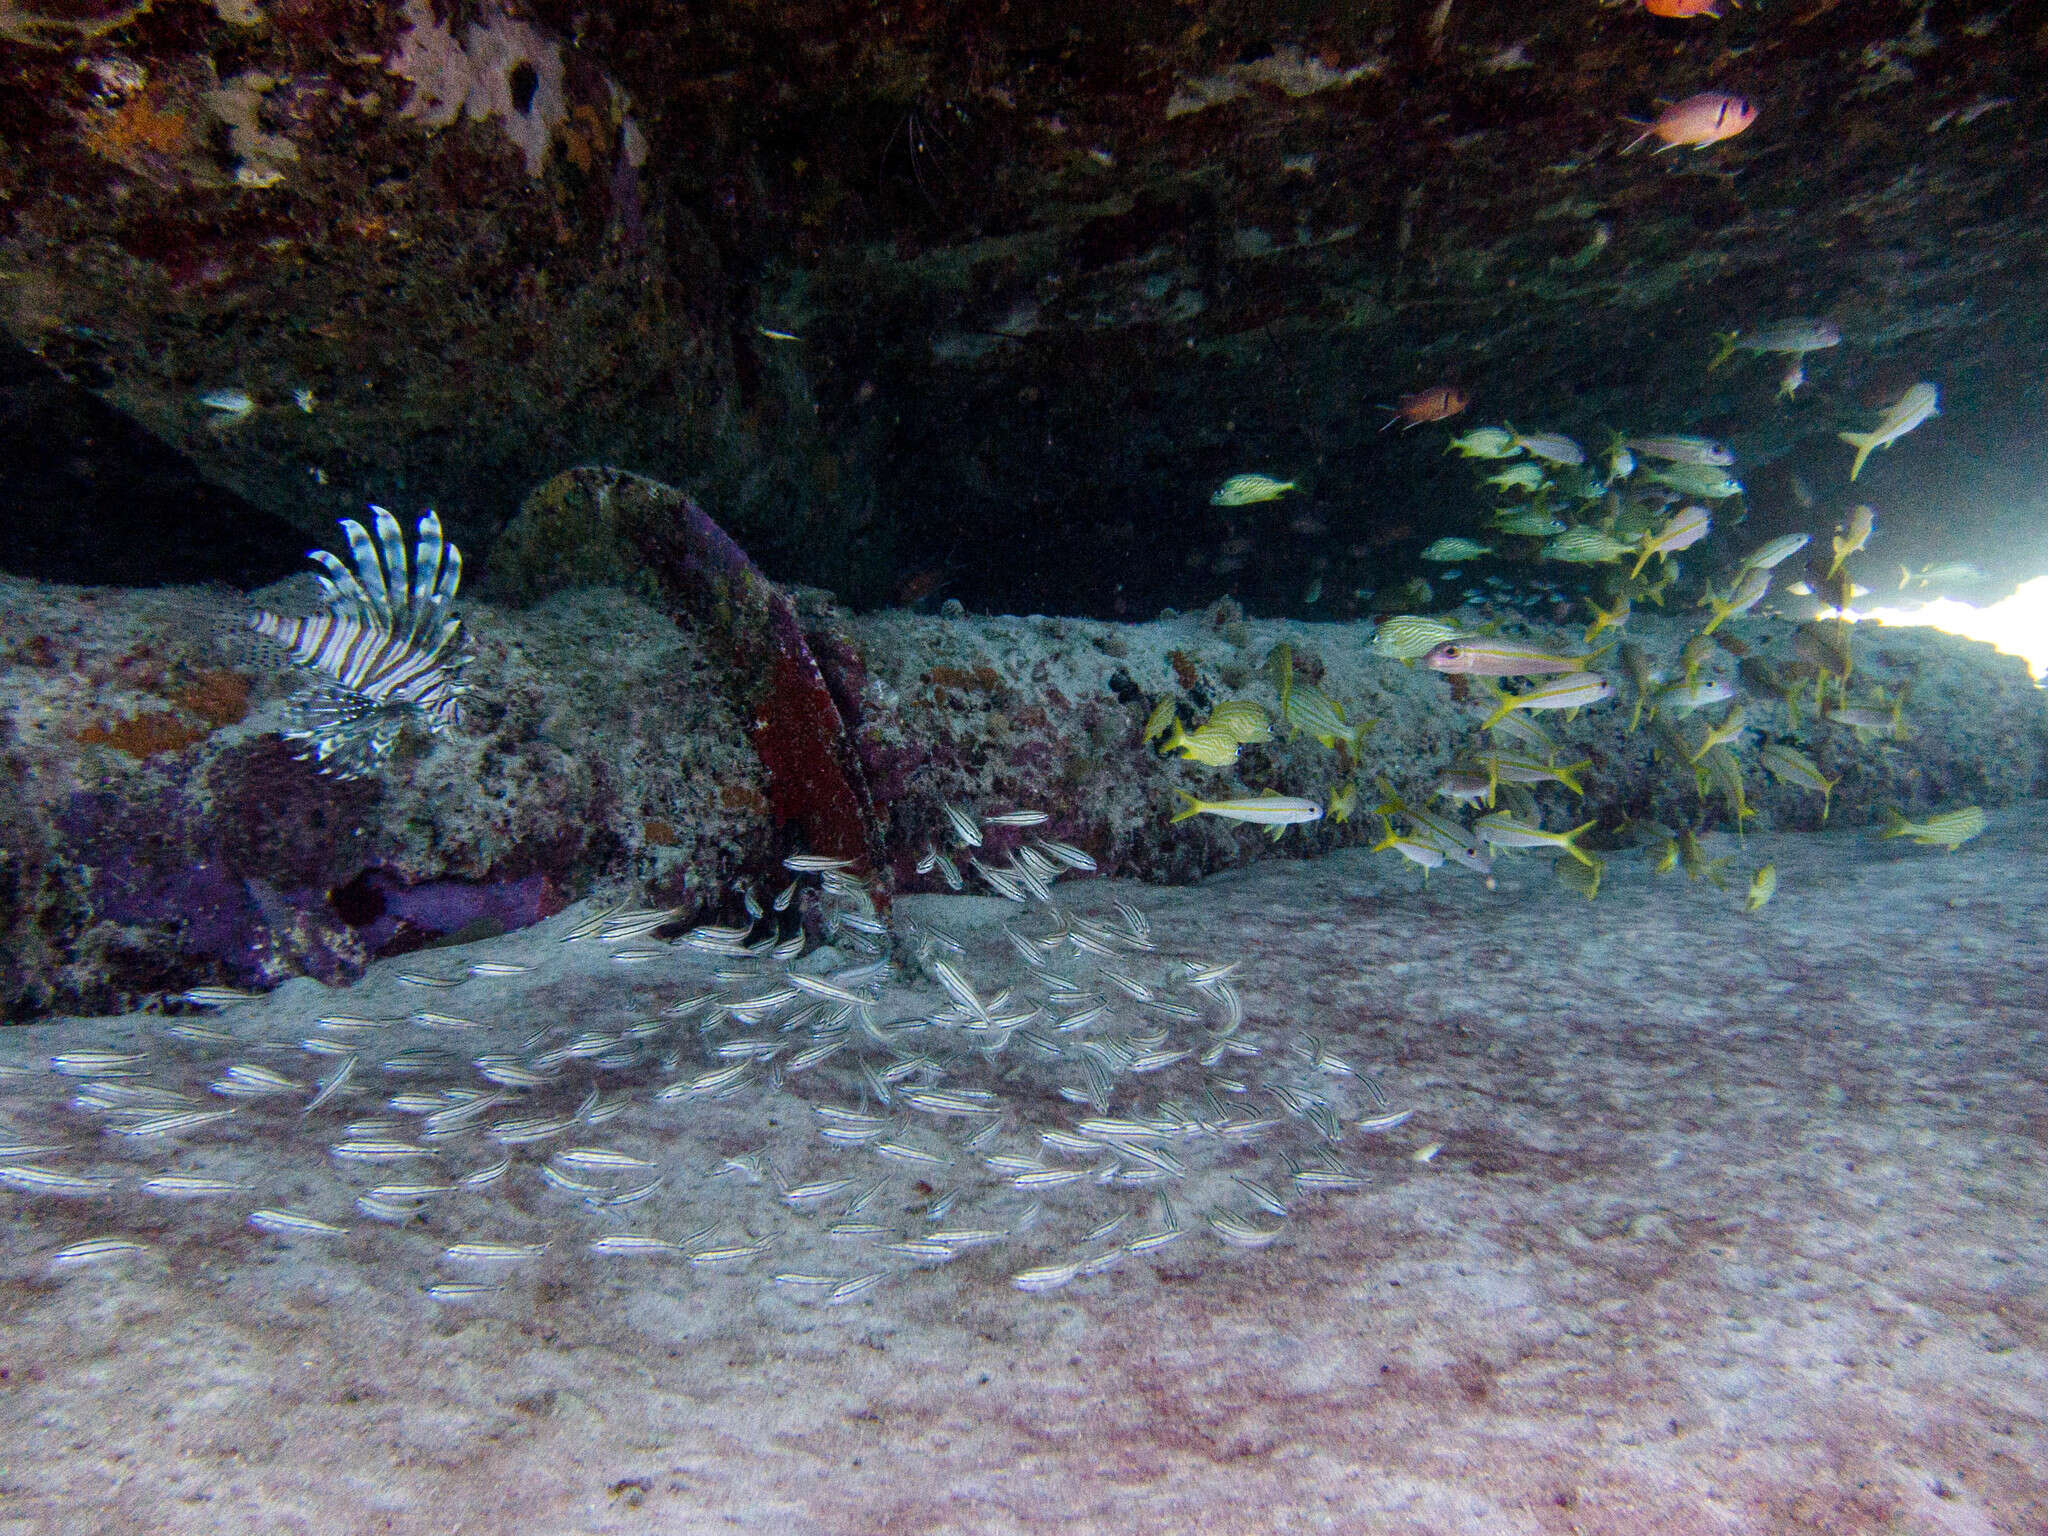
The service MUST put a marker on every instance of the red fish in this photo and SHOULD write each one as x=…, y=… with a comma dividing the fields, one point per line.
x=1439, y=404
x=1698, y=121
x=1680, y=10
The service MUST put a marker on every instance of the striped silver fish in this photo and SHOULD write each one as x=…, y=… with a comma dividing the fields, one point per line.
x=186, y=1187
x=97, y=1250
x=283, y=1223
x=35, y=1180
x=1016, y=819
x=858, y=1286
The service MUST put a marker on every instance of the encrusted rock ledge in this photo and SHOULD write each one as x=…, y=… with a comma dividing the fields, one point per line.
x=155, y=832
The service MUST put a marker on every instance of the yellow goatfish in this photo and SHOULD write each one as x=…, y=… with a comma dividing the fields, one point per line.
x=1914, y=406
x=1504, y=831
x=1264, y=810
x=1574, y=690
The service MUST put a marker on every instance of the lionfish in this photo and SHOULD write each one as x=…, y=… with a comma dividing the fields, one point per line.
x=383, y=654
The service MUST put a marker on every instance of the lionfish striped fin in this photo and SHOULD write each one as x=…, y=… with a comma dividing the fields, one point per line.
x=369, y=568
x=381, y=651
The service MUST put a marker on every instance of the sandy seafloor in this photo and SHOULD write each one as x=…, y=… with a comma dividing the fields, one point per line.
x=1735, y=1226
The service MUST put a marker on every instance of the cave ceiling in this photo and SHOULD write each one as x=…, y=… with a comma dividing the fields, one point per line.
x=985, y=298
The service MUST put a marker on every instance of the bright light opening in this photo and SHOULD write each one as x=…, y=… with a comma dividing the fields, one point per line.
x=2018, y=625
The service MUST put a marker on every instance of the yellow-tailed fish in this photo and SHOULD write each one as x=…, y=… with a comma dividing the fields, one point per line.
x=1242, y=720
x=1583, y=878
x=1516, y=769
x=1464, y=786
x=1486, y=443
x=1748, y=591
x=1280, y=667
x=1706, y=480
x=1675, y=743
x=1699, y=650
x=1665, y=857
x=1452, y=838
x=1524, y=731
x=1554, y=447
x=1453, y=551
x=1686, y=528
x=1724, y=772
x=1793, y=337
x=1852, y=535
x=1693, y=857
x=1204, y=744
x=1675, y=449
x=1517, y=477
x=1261, y=810
x=1403, y=637
x=1683, y=698
x=1913, y=407
x=1530, y=522
x=1343, y=802
x=1586, y=546
x=1574, y=690
x=1246, y=490
x=1885, y=720
x=1949, y=573
x=1606, y=618
x=1504, y=831
x=1763, y=885
x=1732, y=725
x=1789, y=765
x=1776, y=552
x=1413, y=849
x=1637, y=664
x=1651, y=589
x=1310, y=709
x=1160, y=719
x=1950, y=829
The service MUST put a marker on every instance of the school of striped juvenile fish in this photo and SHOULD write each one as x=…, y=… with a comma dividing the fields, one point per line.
x=1098, y=1097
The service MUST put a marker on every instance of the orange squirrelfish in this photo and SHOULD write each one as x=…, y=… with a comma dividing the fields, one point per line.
x=1680, y=10
x=1439, y=404
x=1698, y=121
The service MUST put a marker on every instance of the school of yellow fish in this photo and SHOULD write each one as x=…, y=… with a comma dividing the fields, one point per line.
x=1623, y=514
